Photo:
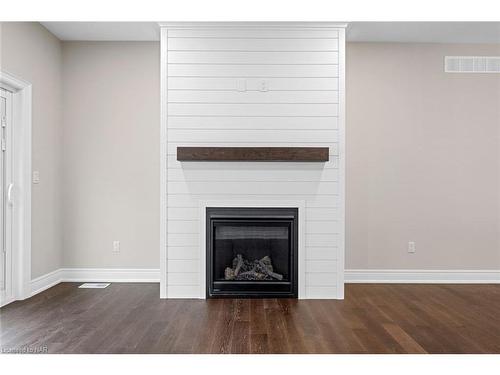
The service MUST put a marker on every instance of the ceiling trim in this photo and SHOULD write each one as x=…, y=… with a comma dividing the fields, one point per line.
x=246, y=25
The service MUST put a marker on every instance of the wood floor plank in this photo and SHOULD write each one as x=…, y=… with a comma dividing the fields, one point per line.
x=259, y=343
x=207, y=329
x=240, y=337
x=221, y=343
x=376, y=318
x=403, y=339
x=278, y=338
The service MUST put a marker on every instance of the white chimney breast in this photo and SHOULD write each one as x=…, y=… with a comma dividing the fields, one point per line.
x=256, y=85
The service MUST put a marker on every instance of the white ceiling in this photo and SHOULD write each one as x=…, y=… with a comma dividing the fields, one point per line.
x=105, y=31
x=405, y=32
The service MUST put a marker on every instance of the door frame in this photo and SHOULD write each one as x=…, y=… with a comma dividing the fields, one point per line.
x=6, y=178
x=21, y=177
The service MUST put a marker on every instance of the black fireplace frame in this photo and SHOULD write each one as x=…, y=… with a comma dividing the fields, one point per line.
x=252, y=289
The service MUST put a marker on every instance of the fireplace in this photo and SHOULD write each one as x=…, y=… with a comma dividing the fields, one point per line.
x=252, y=252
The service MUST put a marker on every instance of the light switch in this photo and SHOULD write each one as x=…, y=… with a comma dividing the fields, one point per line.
x=36, y=177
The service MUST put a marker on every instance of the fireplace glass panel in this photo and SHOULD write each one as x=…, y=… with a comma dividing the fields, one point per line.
x=249, y=245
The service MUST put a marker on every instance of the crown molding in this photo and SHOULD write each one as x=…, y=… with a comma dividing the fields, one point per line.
x=250, y=25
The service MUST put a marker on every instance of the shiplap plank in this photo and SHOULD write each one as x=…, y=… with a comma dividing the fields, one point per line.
x=184, y=278
x=312, y=201
x=242, y=71
x=183, y=265
x=186, y=252
x=247, y=44
x=252, y=84
x=321, y=292
x=208, y=173
x=252, y=109
x=182, y=201
x=183, y=291
x=173, y=163
x=182, y=239
x=320, y=214
x=253, y=123
x=315, y=266
x=321, y=227
x=261, y=135
x=279, y=97
x=183, y=226
x=321, y=279
x=322, y=240
x=183, y=213
x=279, y=188
x=282, y=58
x=253, y=33
x=321, y=253
x=321, y=266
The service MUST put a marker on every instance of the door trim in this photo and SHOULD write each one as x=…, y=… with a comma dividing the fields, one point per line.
x=21, y=161
x=6, y=179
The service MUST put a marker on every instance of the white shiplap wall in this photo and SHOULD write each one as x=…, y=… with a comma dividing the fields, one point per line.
x=203, y=69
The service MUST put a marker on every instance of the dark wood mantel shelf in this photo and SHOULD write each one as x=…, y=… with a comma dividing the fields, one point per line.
x=282, y=154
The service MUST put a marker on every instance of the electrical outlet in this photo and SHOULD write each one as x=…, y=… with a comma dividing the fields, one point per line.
x=411, y=247
x=116, y=246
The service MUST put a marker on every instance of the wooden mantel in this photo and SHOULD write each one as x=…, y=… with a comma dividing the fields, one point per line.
x=281, y=154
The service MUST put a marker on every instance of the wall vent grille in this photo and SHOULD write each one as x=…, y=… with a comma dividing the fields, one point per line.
x=472, y=64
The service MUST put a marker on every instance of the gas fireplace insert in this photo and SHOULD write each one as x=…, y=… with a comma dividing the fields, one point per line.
x=252, y=252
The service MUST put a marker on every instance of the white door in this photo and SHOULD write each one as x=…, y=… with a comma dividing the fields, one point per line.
x=6, y=289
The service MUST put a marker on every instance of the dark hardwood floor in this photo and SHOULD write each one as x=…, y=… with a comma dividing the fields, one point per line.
x=383, y=318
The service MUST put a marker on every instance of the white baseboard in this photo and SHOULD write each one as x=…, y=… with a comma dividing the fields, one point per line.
x=114, y=275
x=423, y=276
x=45, y=282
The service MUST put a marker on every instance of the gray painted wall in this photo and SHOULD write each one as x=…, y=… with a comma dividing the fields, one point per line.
x=32, y=53
x=423, y=159
x=111, y=153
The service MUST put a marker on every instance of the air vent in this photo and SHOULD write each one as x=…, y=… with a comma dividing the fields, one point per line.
x=94, y=285
x=472, y=64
